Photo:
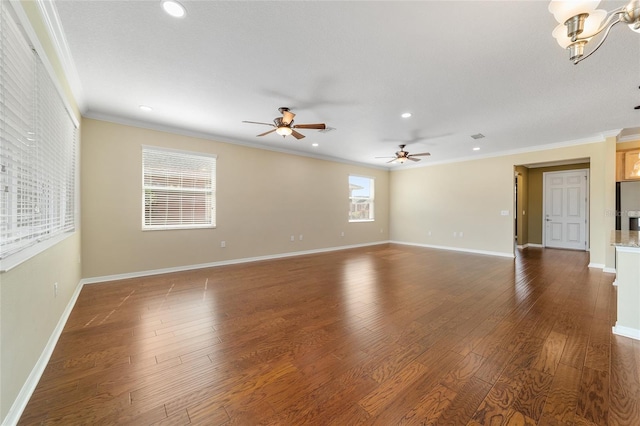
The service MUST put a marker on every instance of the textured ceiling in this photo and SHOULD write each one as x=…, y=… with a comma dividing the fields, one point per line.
x=460, y=67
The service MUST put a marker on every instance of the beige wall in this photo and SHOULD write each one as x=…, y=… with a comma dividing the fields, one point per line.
x=535, y=195
x=609, y=203
x=29, y=311
x=522, y=212
x=462, y=197
x=469, y=197
x=263, y=197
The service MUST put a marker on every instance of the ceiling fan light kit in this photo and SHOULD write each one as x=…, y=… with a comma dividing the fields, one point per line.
x=284, y=131
x=284, y=125
x=580, y=21
x=402, y=156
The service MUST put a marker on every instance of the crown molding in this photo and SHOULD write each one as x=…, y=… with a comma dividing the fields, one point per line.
x=597, y=138
x=629, y=138
x=52, y=23
x=615, y=133
x=222, y=139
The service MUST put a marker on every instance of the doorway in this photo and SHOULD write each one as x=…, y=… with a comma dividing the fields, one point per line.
x=516, y=209
x=565, y=206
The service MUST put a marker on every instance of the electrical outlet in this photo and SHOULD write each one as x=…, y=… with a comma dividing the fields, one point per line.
x=342, y=234
x=293, y=238
x=55, y=289
x=504, y=212
x=461, y=234
x=300, y=238
x=223, y=244
x=429, y=233
x=455, y=234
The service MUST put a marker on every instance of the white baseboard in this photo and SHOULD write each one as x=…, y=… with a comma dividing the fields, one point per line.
x=527, y=245
x=116, y=277
x=30, y=384
x=602, y=266
x=631, y=333
x=460, y=249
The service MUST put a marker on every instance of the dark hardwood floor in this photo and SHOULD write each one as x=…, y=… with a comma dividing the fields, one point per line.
x=383, y=335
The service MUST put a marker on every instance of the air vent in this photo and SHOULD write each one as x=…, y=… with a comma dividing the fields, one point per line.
x=477, y=136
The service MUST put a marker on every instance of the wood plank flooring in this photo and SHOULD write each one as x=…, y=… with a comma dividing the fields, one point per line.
x=383, y=335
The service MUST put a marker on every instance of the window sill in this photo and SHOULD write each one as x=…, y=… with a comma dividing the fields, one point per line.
x=22, y=256
x=179, y=228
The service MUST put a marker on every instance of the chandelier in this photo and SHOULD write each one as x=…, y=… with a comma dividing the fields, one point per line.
x=580, y=21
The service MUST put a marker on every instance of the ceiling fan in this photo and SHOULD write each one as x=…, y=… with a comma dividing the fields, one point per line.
x=402, y=156
x=284, y=125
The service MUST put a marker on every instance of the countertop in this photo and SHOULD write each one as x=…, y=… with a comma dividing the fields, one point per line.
x=625, y=238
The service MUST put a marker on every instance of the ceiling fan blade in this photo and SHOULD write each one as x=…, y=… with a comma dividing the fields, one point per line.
x=318, y=126
x=386, y=157
x=421, y=154
x=296, y=134
x=266, y=133
x=257, y=122
x=391, y=161
x=287, y=117
x=413, y=159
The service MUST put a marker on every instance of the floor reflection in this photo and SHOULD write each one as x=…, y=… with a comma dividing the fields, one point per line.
x=359, y=288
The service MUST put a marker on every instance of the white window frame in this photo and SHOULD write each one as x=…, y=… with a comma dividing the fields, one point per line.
x=180, y=177
x=368, y=200
x=38, y=153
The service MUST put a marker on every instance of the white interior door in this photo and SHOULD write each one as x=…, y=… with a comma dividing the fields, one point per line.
x=565, y=209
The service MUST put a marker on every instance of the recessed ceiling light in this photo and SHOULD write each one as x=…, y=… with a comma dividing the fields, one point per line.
x=477, y=148
x=145, y=108
x=174, y=8
x=314, y=144
x=406, y=115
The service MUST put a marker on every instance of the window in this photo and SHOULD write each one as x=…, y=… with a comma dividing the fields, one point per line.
x=361, y=196
x=38, y=142
x=178, y=189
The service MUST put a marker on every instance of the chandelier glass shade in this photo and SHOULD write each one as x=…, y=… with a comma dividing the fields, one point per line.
x=580, y=21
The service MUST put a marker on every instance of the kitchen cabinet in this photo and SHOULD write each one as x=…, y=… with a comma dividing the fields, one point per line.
x=628, y=165
x=627, y=244
x=632, y=165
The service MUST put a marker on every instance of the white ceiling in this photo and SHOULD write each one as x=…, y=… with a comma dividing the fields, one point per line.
x=461, y=68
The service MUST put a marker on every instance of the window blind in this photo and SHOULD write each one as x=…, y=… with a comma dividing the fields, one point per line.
x=37, y=150
x=178, y=189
